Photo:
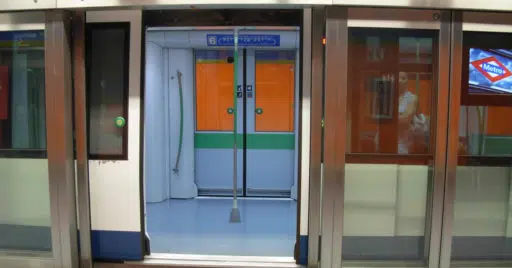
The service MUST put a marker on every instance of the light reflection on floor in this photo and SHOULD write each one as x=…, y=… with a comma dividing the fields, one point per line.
x=201, y=226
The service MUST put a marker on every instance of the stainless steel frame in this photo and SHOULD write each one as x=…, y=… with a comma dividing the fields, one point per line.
x=82, y=161
x=28, y=5
x=434, y=215
x=434, y=4
x=502, y=5
x=60, y=136
x=487, y=22
x=334, y=136
x=393, y=18
x=495, y=5
x=315, y=27
x=453, y=137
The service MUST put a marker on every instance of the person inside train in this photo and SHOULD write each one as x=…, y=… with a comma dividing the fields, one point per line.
x=412, y=124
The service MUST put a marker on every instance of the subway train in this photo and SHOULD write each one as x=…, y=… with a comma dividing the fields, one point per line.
x=290, y=135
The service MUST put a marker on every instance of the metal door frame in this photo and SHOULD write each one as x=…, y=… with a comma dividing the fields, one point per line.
x=312, y=108
x=338, y=20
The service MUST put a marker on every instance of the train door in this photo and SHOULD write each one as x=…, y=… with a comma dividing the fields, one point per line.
x=214, y=126
x=270, y=121
x=112, y=57
x=266, y=85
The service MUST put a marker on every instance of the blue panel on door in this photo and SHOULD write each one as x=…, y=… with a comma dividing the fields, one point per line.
x=116, y=245
x=244, y=40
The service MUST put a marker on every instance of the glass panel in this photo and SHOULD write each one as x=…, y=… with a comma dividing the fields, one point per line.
x=389, y=144
x=25, y=219
x=482, y=224
x=214, y=90
x=108, y=89
x=275, y=88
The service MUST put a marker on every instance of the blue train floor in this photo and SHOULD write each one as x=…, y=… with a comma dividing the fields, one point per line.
x=201, y=226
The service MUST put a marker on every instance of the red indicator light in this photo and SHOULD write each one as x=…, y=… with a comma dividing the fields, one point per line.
x=323, y=40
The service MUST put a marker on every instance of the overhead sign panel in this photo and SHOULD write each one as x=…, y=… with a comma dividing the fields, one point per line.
x=244, y=40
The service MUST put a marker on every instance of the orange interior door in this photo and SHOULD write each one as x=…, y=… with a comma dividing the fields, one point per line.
x=275, y=91
x=214, y=90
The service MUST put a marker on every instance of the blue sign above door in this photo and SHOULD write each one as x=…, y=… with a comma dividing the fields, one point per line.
x=244, y=40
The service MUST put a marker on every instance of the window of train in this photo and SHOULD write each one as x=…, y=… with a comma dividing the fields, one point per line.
x=482, y=224
x=390, y=118
x=107, y=89
x=25, y=217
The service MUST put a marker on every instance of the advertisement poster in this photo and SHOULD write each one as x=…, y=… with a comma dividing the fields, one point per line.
x=490, y=71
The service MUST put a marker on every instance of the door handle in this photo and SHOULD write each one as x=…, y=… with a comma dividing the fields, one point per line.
x=230, y=110
x=258, y=111
x=120, y=121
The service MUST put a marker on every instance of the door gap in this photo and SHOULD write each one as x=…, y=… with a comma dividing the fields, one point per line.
x=244, y=128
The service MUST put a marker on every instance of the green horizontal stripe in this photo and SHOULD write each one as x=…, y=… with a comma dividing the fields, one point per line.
x=254, y=141
x=215, y=140
x=495, y=145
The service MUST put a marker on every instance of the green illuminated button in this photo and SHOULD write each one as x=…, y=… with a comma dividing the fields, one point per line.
x=120, y=121
x=259, y=111
x=230, y=110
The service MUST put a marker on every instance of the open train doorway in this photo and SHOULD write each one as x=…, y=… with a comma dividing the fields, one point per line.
x=221, y=120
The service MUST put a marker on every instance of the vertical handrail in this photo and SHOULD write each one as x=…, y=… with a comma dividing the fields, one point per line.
x=176, y=168
x=235, y=213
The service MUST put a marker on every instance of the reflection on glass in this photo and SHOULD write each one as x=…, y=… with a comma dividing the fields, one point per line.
x=25, y=218
x=391, y=95
x=22, y=100
x=389, y=121
x=108, y=90
x=414, y=103
x=482, y=227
